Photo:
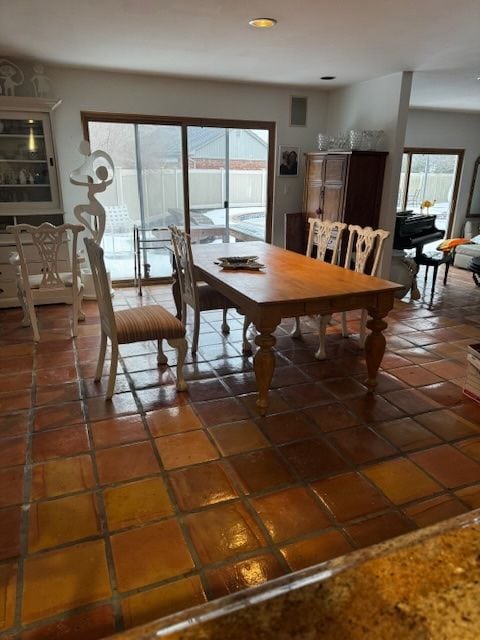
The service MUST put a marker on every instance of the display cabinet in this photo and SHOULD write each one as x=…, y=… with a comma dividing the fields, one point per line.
x=28, y=173
x=29, y=191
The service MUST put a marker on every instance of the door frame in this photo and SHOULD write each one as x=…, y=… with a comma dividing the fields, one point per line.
x=460, y=153
x=184, y=122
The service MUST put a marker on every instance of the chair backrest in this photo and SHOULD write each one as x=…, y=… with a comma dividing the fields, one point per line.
x=184, y=264
x=102, y=288
x=325, y=235
x=365, y=245
x=47, y=240
x=118, y=218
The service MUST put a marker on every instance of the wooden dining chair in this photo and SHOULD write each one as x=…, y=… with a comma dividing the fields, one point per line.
x=200, y=296
x=365, y=247
x=151, y=322
x=47, y=272
x=325, y=236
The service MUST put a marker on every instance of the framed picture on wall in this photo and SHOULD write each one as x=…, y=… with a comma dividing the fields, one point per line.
x=288, y=160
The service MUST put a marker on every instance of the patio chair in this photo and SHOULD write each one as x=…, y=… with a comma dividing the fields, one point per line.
x=45, y=272
x=118, y=223
x=151, y=322
x=365, y=246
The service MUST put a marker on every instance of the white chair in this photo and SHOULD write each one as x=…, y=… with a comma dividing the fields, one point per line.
x=364, y=246
x=325, y=236
x=151, y=322
x=200, y=296
x=45, y=272
x=118, y=224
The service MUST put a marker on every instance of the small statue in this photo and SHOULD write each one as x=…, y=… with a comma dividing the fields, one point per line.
x=11, y=75
x=96, y=173
x=42, y=85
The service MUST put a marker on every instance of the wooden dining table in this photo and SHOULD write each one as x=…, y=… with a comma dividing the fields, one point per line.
x=291, y=284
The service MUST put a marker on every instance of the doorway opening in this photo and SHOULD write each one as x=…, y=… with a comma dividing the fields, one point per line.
x=431, y=177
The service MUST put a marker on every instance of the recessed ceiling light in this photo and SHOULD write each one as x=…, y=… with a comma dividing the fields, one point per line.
x=262, y=23
x=328, y=77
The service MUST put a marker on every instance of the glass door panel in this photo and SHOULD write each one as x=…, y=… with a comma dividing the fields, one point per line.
x=227, y=175
x=25, y=161
x=147, y=192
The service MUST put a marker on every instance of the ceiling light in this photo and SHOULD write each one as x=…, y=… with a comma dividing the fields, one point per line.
x=328, y=78
x=262, y=23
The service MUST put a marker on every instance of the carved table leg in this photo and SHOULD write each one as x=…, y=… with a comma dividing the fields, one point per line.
x=264, y=365
x=374, y=346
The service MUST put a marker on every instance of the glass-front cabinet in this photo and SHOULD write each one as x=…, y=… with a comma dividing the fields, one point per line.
x=28, y=176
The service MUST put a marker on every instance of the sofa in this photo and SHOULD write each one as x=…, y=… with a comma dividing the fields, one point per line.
x=465, y=252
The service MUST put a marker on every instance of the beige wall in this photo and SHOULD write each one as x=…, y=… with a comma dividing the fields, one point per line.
x=82, y=90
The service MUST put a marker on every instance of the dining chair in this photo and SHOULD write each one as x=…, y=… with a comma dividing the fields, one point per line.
x=365, y=247
x=151, y=322
x=325, y=235
x=45, y=272
x=200, y=296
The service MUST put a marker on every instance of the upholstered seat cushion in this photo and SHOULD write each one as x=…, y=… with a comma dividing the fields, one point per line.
x=210, y=298
x=147, y=323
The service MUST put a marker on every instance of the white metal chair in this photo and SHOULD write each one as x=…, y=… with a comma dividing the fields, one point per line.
x=325, y=236
x=200, y=296
x=46, y=274
x=364, y=245
x=151, y=322
x=118, y=224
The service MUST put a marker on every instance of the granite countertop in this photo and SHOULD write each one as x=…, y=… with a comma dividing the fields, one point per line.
x=423, y=585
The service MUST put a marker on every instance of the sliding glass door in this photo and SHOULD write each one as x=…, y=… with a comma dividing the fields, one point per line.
x=222, y=173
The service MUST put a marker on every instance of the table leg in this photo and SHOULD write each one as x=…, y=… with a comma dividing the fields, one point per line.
x=374, y=346
x=264, y=365
x=177, y=296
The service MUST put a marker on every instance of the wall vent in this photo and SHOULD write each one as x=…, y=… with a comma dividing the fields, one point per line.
x=298, y=111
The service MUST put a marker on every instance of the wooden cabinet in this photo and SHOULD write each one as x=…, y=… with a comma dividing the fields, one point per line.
x=344, y=186
x=29, y=191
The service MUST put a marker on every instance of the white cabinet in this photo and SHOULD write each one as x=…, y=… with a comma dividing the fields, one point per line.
x=29, y=191
x=28, y=172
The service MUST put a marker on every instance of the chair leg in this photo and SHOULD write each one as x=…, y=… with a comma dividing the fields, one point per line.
x=323, y=322
x=196, y=330
x=363, y=328
x=247, y=347
x=180, y=344
x=75, y=317
x=225, y=327
x=101, y=357
x=161, y=357
x=296, y=332
x=23, y=304
x=345, y=333
x=113, y=371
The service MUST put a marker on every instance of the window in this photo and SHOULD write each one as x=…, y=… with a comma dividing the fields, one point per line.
x=223, y=170
x=430, y=175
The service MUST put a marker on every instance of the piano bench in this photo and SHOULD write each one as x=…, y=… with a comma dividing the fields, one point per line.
x=435, y=259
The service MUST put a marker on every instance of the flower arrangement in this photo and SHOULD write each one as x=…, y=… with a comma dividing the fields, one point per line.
x=426, y=204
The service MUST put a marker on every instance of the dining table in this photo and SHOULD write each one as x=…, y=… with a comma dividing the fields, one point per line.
x=288, y=285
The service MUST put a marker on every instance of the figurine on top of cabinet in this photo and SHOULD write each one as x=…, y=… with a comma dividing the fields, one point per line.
x=42, y=85
x=11, y=76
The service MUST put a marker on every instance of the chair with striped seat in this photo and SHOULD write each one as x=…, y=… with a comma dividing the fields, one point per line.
x=151, y=322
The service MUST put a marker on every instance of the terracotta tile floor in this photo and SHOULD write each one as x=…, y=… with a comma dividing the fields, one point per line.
x=113, y=514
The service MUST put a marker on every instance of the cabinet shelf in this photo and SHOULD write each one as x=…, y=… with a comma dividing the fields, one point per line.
x=22, y=186
x=23, y=161
x=24, y=136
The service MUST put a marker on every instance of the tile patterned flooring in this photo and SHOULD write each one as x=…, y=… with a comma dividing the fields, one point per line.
x=113, y=514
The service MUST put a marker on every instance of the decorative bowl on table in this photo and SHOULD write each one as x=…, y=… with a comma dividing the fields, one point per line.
x=239, y=262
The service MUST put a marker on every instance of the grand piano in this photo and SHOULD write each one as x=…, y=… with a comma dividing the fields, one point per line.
x=414, y=230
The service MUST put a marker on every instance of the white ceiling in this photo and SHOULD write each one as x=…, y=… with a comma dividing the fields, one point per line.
x=354, y=40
